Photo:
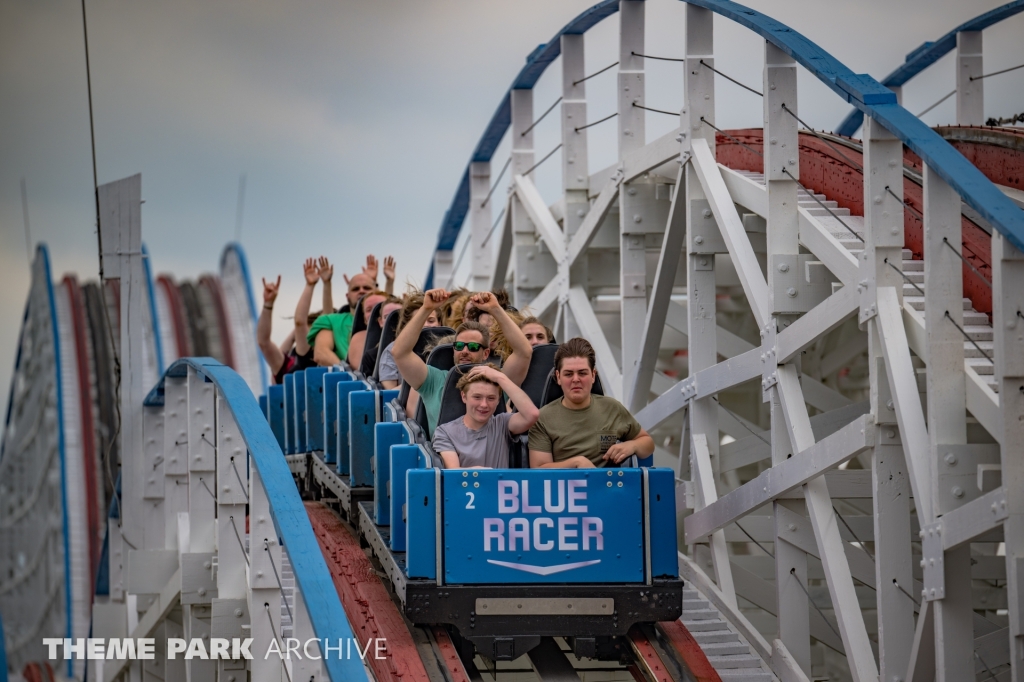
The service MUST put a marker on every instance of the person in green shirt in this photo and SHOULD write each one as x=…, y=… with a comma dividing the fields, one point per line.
x=330, y=334
x=471, y=346
x=583, y=430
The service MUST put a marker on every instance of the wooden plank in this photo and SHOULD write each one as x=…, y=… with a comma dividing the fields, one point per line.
x=541, y=217
x=747, y=266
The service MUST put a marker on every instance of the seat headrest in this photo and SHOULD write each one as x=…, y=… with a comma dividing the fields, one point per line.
x=358, y=321
x=442, y=357
x=387, y=337
x=373, y=330
x=539, y=373
x=429, y=337
x=553, y=392
x=452, y=406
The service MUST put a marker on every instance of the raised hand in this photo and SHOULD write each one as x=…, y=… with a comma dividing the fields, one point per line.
x=370, y=269
x=389, y=268
x=488, y=372
x=311, y=273
x=435, y=298
x=327, y=270
x=485, y=301
x=270, y=291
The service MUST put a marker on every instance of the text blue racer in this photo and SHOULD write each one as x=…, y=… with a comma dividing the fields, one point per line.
x=543, y=526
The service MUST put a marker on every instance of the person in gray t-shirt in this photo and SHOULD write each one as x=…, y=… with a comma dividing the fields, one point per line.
x=480, y=439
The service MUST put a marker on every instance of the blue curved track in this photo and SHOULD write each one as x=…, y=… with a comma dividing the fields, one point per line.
x=928, y=53
x=866, y=94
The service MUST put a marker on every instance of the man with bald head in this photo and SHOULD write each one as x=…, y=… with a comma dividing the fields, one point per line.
x=329, y=336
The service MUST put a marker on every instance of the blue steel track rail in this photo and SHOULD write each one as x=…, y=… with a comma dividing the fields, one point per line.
x=929, y=53
x=866, y=94
x=286, y=507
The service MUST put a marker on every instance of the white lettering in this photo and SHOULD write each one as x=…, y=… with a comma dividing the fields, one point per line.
x=291, y=644
x=146, y=648
x=94, y=648
x=328, y=648
x=120, y=649
x=78, y=648
x=196, y=649
x=362, y=654
x=219, y=648
x=551, y=508
x=51, y=644
x=494, y=529
x=175, y=646
x=527, y=507
x=379, y=648
x=564, y=533
x=537, y=523
x=305, y=649
x=274, y=648
x=592, y=528
x=240, y=649
x=508, y=497
x=574, y=496
x=518, y=529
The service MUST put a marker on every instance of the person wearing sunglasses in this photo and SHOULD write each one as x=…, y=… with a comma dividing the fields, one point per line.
x=470, y=348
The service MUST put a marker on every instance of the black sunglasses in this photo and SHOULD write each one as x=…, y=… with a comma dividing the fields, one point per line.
x=473, y=346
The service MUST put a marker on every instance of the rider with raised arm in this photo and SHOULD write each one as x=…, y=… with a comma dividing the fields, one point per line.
x=470, y=347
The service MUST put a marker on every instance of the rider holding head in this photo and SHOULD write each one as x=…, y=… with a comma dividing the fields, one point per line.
x=471, y=347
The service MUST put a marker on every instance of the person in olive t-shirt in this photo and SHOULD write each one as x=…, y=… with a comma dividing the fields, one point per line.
x=583, y=430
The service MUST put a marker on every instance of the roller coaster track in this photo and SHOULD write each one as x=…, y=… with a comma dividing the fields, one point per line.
x=862, y=526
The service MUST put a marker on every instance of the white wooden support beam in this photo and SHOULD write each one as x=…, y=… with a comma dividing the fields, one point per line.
x=970, y=94
x=705, y=477
x=661, y=293
x=595, y=217
x=575, y=170
x=540, y=216
x=232, y=497
x=482, y=266
x=523, y=243
x=820, y=320
x=698, y=80
x=120, y=207
x=791, y=431
x=1008, y=327
x=880, y=264
x=501, y=241
x=308, y=668
x=202, y=464
x=264, y=588
x=906, y=400
x=175, y=452
x=152, y=472
x=818, y=240
x=947, y=414
x=702, y=384
x=611, y=377
x=631, y=121
x=826, y=531
x=724, y=210
x=841, y=446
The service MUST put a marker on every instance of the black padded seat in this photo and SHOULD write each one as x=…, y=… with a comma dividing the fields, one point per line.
x=553, y=392
x=427, y=338
x=539, y=373
x=387, y=337
x=442, y=357
x=358, y=321
x=372, y=340
x=452, y=406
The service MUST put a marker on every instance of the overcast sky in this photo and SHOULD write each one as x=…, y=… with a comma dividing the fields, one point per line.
x=353, y=121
